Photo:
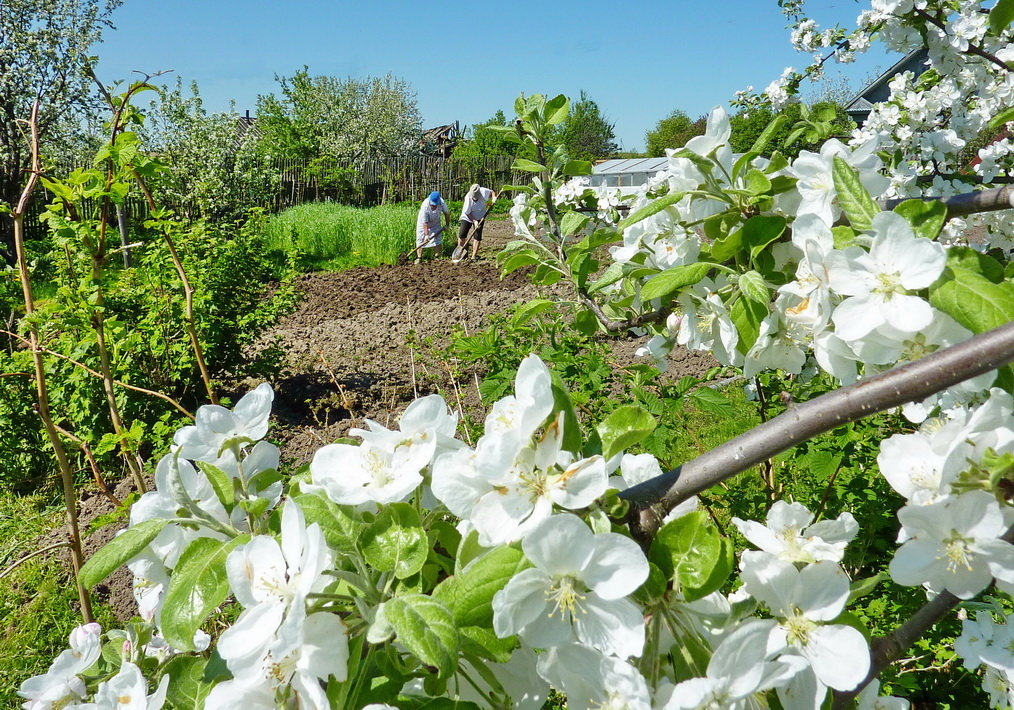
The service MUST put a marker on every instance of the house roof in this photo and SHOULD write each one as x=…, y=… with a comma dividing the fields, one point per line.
x=879, y=89
x=619, y=166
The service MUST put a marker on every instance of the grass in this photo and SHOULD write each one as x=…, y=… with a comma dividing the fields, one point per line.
x=38, y=600
x=329, y=235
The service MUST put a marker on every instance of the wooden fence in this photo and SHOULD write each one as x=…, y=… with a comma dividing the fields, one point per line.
x=357, y=182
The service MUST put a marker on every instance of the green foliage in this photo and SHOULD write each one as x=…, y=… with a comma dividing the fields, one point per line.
x=673, y=131
x=39, y=591
x=585, y=132
x=326, y=116
x=804, y=128
x=484, y=141
x=215, y=169
x=322, y=234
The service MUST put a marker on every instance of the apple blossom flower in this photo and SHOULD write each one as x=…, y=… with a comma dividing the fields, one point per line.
x=61, y=683
x=815, y=183
x=593, y=680
x=878, y=284
x=805, y=601
x=791, y=535
x=127, y=690
x=217, y=429
x=955, y=545
x=576, y=590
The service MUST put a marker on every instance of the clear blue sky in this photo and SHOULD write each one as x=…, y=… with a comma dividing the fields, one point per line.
x=637, y=60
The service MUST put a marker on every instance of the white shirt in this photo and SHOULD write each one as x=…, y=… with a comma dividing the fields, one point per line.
x=428, y=220
x=474, y=210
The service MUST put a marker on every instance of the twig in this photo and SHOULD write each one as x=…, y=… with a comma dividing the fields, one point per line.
x=411, y=349
x=96, y=472
x=10, y=568
x=618, y=326
x=913, y=381
x=96, y=373
x=41, y=389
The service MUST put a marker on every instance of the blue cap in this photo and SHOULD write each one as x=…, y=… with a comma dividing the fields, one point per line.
x=435, y=197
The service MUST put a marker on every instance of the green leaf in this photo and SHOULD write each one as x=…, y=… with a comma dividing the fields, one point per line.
x=724, y=248
x=469, y=595
x=973, y=300
x=712, y=401
x=747, y=316
x=690, y=551
x=341, y=530
x=395, y=541
x=526, y=311
x=862, y=587
x=557, y=109
x=120, y=550
x=519, y=260
x=612, y=274
x=517, y=188
x=577, y=167
x=198, y=585
x=654, y=208
x=757, y=182
x=844, y=236
x=187, y=688
x=586, y=323
x=573, y=223
x=855, y=201
x=761, y=230
x=562, y=402
x=624, y=427
x=769, y=132
x=426, y=628
x=926, y=218
x=220, y=482
x=663, y=284
x=529, y=166
x=1001, y=16
x=752, y=286
x=481, y=641
x=971, y=260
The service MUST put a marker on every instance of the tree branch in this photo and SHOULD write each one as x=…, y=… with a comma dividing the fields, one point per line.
x=992, y=200
x=651, y=500
x=618, y=326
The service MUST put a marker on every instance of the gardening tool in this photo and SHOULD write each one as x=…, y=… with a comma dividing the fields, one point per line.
x=429, y=242
x=459, y=252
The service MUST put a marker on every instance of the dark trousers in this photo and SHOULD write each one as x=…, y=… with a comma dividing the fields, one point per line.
x=465, y=226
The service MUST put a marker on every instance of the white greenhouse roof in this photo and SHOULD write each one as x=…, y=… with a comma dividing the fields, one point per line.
x=619, y=166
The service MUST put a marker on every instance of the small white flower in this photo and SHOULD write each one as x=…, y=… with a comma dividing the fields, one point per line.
x=216, y=429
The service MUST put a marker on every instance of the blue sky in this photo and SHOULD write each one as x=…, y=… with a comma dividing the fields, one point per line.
x=637, y=60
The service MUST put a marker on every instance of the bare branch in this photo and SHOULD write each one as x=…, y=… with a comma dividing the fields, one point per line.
x=992, y=200
x=618, y=326
x=911, y=382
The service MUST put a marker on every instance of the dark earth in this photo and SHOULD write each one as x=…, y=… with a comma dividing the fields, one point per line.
x=362, y=344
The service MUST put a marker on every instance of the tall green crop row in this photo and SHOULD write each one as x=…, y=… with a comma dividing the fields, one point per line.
x=329, y=232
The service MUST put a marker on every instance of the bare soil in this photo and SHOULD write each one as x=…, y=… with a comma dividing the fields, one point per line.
x=362, y=344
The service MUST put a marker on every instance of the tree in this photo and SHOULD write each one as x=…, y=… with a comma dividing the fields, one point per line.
x=215, y=170
x=747, y=127
x=43, y=57
x=586, y=133
x=673, y=131
x=326, y=116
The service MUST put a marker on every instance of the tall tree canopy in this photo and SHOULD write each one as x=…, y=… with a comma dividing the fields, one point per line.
x=327, y=116
x=673, y=131
x=43, y=57
x=586, y=133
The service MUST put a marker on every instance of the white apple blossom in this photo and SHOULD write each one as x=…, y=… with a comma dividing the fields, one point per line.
x=592, y=680
x=127, y=690
x=61, y=683
x=576, y=590
x=804, y=601
x=816, y=184
x=217, y=429
x=878, y=283
x=955, y=545
x=791, y=535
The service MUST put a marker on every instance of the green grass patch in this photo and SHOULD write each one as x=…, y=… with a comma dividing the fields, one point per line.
x=329, y=235
x=38, y=599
